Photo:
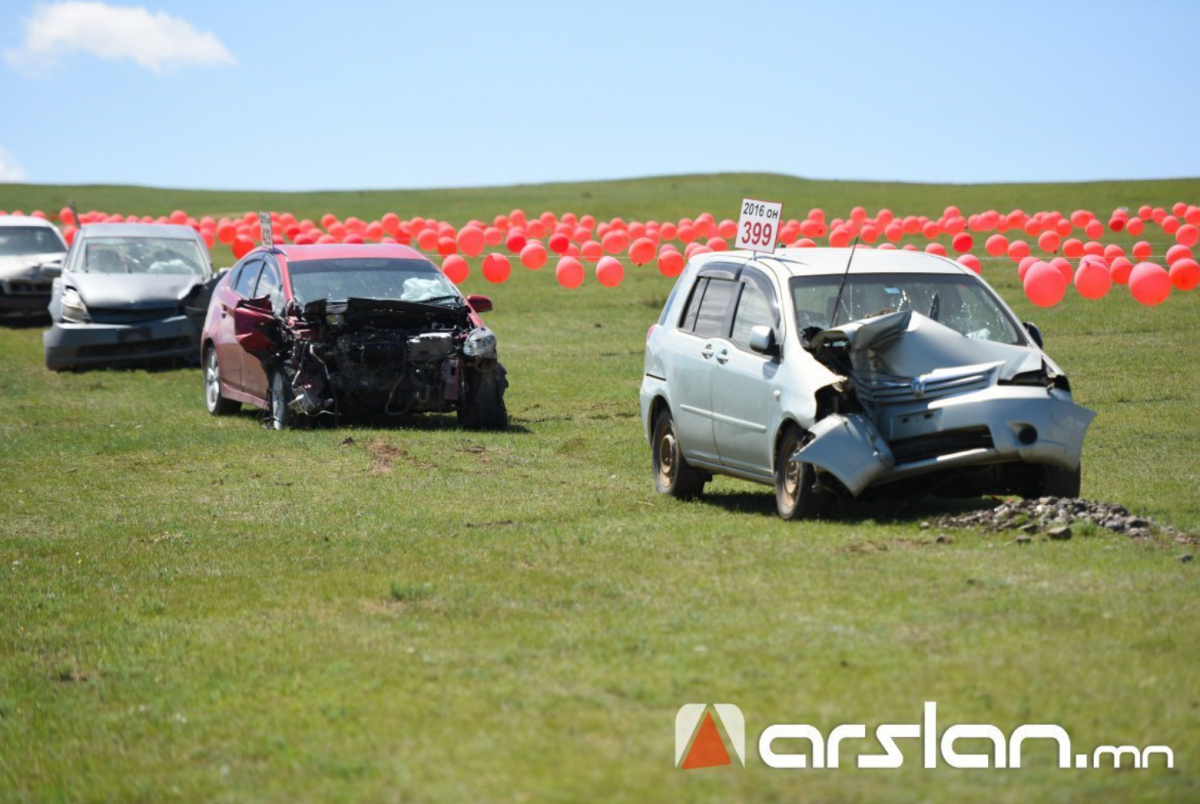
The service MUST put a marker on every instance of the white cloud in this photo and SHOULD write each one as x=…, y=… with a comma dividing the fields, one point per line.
x=10, y=171
x=155, y=41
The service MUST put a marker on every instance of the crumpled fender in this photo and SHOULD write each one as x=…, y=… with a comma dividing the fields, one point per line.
x=850, y=448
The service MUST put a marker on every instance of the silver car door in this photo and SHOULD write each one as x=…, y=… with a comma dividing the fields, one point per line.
x=689, y=364
x=745, y=382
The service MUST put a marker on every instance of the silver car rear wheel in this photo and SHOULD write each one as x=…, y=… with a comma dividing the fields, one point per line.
x=673, y=475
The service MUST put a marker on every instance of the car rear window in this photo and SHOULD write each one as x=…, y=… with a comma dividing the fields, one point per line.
x=17, y=241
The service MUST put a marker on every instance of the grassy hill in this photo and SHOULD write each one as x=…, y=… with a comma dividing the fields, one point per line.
x=201, y=609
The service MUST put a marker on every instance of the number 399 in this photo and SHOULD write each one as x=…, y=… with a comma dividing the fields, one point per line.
x=757, y=233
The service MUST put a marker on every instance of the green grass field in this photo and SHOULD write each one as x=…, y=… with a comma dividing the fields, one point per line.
x=199, y=609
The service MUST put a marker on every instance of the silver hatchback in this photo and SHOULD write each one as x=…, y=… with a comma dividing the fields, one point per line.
x=827, y=373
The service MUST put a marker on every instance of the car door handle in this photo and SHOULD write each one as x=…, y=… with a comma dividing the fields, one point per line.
x=707, y=352
x=723, y=356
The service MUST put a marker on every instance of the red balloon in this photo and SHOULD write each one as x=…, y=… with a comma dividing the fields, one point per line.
x=390, y=222
x=1045, y=285
x=1185, y=274
x=727, y=229
x=1135, y=226
x=445, y=245
x=972, y=262
x=962, y=242
x=242, y=246
x=1178, y=252
x=1072, y=248
x=839, y=237
x=516, y=240
x=1142, y=250
x=569, y=272
x=670, y=262
x=1048, y=241
x=1018, y=250
x=1094, y=229
x=609, y=272
x=1150, y=283
x=1120, y=268
x=614, y=241
x=806, y=242
x=642, y=251
x=1188, y=235
x=1092, y=280
x=496, y=268
x=226, y=232
x=471, y=241
x=1026, y=263
x=533, y=256
x=591, y=251
x=427, y=240
x=559, y=243
x=1064, y=267
x=493, y=235
x=996, y=245
x=1170, y=224
x=936, y=248
x=456, y=268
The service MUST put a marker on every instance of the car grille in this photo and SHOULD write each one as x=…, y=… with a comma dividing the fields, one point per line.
x=922, y=448
x=107, y=315
x=19, y=287
x=136, y=348
x=883, y=389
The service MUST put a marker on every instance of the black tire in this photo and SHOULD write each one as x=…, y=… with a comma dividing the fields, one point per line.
x=483, y=407
x=216, y=404
x=796, y=495
x=673, y=475
x=279, y=413
x=1062, y=482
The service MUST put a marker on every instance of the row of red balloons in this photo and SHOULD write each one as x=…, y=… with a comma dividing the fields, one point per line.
x=578, y=239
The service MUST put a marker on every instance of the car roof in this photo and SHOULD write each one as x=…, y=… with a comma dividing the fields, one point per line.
x=25, y=220
x=788, y=262
x=166, y=230
x=342, y=251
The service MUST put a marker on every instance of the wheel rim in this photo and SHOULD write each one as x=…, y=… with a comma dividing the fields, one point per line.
x=792, y=472
x=212, y=381
x=667, y=457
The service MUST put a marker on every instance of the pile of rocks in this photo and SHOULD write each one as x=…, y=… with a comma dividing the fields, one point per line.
x=1054, y=516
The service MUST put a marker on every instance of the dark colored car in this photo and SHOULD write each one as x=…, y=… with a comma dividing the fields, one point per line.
x=343, y=330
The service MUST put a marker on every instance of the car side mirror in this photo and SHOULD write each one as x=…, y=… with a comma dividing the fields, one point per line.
x=1034, y=333
x=762, y=340
x=52, y=270
x=480, y=304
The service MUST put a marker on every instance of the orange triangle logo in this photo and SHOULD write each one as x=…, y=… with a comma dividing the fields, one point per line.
x=708, y=750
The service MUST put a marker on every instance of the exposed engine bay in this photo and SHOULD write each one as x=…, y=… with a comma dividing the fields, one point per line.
x=366, y=356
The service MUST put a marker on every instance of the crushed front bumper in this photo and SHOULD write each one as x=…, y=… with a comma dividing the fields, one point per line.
x=996, y=425
x=93, y=345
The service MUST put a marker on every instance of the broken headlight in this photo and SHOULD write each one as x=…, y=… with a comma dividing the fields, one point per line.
x=480, y=344
x=73, y=308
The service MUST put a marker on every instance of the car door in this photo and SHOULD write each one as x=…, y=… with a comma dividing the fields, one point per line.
x=229, y=352
x=689, y=365
x=254, y=378
x=744, y=381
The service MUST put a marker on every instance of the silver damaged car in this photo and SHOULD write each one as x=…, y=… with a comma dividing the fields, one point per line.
x=836, y=372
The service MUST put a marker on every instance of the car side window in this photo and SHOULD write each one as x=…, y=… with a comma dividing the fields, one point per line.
x=245, y=281
x=688, y=322
x=268, y=285
x=753, y=310
x=710, y=320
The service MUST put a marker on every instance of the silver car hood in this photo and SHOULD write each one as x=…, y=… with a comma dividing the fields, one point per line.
x=132, y=291
x=24, y=266
x=909, y=344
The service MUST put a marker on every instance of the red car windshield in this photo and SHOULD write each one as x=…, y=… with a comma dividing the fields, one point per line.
x=381, y=279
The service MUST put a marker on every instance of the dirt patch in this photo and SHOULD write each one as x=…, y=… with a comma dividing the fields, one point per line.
x=478, y=450
x=384, y=455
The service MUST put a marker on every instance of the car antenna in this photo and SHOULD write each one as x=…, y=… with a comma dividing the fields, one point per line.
x=838, y=302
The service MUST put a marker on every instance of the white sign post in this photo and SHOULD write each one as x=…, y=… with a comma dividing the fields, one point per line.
x=268, y=234
x=758, y=225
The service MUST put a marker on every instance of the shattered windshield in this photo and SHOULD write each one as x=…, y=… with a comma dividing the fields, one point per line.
x=960, y=302
x=143, y=255
x=379, y=278
x=17, y=241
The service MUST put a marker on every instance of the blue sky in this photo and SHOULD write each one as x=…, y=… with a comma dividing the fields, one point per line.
x=319, y=95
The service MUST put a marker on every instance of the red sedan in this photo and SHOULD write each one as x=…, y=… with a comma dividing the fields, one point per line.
x=341, y=330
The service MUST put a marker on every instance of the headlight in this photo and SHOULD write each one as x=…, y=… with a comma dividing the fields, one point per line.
x=73, y=308
x=480, y=344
